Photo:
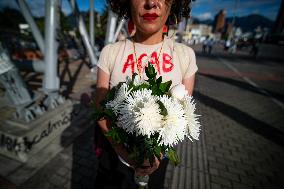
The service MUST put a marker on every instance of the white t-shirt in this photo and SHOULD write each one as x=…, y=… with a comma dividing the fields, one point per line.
x=122, y=62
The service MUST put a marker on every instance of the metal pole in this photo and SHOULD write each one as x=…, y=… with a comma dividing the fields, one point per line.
x=51, y=80
x=92, y=33
x=234, y=17
x=29, y=18
x=111, y=23
x=84, y=33
x=98, y=21
x=118, y=30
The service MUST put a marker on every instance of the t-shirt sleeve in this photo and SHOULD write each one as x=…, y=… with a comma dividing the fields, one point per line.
x=104, y=60
x=192, y=67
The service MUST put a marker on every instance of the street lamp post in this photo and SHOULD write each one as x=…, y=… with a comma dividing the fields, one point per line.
x=92, y=33
x=234, y=17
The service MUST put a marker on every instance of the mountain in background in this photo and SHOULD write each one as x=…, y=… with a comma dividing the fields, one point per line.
x=247, y=23
x=250, y=22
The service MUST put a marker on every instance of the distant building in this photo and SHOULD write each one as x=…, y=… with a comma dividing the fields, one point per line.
x=197, y=32
x=229, y=29
x=279, y=24
x=238, y=32
x=199, y=29
x=219, y=22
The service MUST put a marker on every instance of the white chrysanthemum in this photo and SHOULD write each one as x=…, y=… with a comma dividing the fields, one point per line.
x=120, y=96
x=193, y=125
x=128, y=80
x=174, y=124
x=178, y=91
x=140, y=113
x=138, y=81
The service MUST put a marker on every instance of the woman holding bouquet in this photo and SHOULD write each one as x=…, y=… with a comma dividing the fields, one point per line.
x=172, y=61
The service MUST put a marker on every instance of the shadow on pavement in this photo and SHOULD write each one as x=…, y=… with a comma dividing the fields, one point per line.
x=72, y=76
x=84, y=162
x=242, y=118
x=6, y=184
x=244, y=86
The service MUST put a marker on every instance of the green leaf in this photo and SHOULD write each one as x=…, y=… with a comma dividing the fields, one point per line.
x=117, y=135
x=163, y=109
x=110, y=95
x=142, y=86
x=151, y=82
x=97, y=113
x=151, y=160
x=159, y=81
x=164, y=87
x=150, y=71
x=157, y=151
x=155, y=90
x=109, y=113
x=132, y=156
x=172, y=155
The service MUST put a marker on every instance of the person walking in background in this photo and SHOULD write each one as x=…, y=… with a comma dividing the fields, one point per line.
x=233, y=46
x=227, y=44
x=210, y=45
x=205, y=44
x=254, y=48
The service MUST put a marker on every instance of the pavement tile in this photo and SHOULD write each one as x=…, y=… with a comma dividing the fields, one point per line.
x=225, y=161
x=219, y=166
x=237, y=185
x=86, y=172
x=62, y=171
x=221, y=181
x=214, y=171
x=237, y=171
x=86, y=162
x=248, y=181
x=230, y=176
x=57, y=180
x=215, y=186
x=232, y=157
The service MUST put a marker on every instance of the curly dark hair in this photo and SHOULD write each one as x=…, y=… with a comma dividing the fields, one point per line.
x=179, y=9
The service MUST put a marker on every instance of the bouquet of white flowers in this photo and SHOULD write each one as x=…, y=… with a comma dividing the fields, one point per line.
x=149, y=118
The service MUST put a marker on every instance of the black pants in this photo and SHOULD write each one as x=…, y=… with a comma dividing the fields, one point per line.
x=112, y=174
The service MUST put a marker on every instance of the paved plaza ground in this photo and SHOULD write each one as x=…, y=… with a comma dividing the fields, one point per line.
x=241, y=103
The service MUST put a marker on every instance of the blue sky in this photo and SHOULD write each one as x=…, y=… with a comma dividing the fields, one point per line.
x=202, y=9
x=37, y=6
x=207, y=9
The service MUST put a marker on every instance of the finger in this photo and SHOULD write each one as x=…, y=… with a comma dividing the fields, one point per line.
x=144, y=167
x=147, y=171
x=150, y=170
x=156, y=164
x=146, y=163
x=142, y=172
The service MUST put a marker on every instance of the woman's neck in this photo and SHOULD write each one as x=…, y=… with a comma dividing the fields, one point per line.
x=152, y=39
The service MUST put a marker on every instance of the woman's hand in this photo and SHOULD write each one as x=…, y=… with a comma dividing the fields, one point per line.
x=146, y=168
